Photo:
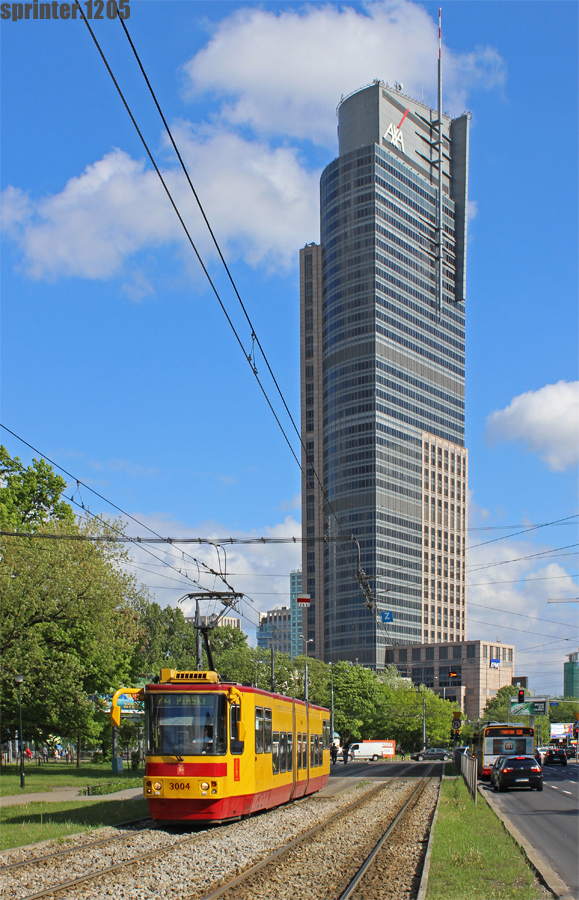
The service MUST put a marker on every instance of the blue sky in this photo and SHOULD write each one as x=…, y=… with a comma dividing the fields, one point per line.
x=117, y=362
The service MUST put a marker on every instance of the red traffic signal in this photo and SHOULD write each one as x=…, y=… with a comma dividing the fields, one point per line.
x=521, y=696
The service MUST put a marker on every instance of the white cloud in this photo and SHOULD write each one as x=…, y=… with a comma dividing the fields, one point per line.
x=283, y=72
x=472, y=210
x=263, y=209
x=507, y=603
x=294, y=503
x=260, y=571
x=277, y=75
x=546, y=421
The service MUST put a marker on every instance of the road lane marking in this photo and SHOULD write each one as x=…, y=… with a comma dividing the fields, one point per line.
x=567, y=792
x=554, y=787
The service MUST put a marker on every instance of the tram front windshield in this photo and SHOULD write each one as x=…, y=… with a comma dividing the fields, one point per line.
x=188, y=724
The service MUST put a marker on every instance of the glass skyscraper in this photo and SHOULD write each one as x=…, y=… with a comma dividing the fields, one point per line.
x=382, y=381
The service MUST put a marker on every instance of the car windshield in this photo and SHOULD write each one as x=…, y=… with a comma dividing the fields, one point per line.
x=186, y=723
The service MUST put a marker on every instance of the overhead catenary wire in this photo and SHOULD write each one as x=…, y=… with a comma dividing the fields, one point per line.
x=257, y=541
x=119, y=537
x=358, y=573
x=543, y=554
x=566, y=519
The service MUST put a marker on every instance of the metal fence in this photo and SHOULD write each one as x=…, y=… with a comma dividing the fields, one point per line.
x=468, y=767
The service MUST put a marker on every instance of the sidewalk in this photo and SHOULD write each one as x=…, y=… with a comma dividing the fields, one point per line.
x=65, y=795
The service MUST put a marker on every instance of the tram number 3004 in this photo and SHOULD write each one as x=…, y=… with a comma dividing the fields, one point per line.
x=178, y=786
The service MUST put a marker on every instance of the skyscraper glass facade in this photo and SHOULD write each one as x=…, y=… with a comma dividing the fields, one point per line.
x=383, y=379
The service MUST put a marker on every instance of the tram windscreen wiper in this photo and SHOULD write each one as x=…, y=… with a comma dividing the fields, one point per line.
x=171, y=744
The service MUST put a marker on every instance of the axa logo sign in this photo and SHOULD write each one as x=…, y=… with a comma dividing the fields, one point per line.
x=394, y=133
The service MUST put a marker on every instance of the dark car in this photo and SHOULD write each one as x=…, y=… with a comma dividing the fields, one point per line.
x=432, y=753
x=495, y=768
x=517, y=771
x=555, y=755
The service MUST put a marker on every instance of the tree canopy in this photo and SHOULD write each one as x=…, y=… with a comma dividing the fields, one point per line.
x=30, y=496
x=69, y=620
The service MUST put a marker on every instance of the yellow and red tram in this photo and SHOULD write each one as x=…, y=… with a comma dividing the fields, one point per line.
x=217, y=751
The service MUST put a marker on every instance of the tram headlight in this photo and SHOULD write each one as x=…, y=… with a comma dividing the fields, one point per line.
x=204, y=786
x=157, y=786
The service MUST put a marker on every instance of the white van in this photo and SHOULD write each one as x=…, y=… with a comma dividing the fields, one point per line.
x=368, y=750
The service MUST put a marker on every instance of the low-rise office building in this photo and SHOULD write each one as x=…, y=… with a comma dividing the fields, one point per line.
x=468, y=673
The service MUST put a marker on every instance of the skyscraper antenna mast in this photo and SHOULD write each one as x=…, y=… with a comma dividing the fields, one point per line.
x=439, y=292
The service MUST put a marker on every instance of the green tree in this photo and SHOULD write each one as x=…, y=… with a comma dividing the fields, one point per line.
x=69, y=621
x=359, y=701
x=498, y=708
x=165, y=640
x=30, y=496
x=404, y=711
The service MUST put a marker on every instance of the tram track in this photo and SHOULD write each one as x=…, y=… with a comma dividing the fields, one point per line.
x=180, y=867
x=75, y=848
x=313, y=862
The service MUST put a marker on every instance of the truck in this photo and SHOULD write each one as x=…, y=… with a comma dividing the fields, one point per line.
x=373, y=750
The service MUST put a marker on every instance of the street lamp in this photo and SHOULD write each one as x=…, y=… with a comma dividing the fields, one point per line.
x=306, y=642
x=18, y=679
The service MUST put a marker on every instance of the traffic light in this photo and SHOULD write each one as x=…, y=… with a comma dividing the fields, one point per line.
x=521, y=696
x=576, y=729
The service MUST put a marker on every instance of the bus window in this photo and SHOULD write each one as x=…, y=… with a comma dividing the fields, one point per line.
x=267, y=731
x=258, y=729
x=290, y=751
x=282, y=751
x=275, y=752
x=235, y=744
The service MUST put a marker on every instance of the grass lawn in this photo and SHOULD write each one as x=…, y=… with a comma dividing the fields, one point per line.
x=58, y=775
x=32, y=822
x=473, y=856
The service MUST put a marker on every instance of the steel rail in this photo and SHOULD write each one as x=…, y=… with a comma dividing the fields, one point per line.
x=244, y=876
x=239, y=879
x=59, y=887
x=67, y=885
x=347, y=893
x=31, y=861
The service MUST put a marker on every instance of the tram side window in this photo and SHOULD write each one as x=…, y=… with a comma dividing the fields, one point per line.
x=235, y=744
x=299, y=750
x=305, y=752
x=267, y=731
x=275, y=753
x=258, y=729
x=318, y=750
x=290, y=751
x=282, y=751
x=327, y=740
x=312, y=751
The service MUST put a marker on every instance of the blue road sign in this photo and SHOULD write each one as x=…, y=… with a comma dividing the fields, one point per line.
x=388, y=616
